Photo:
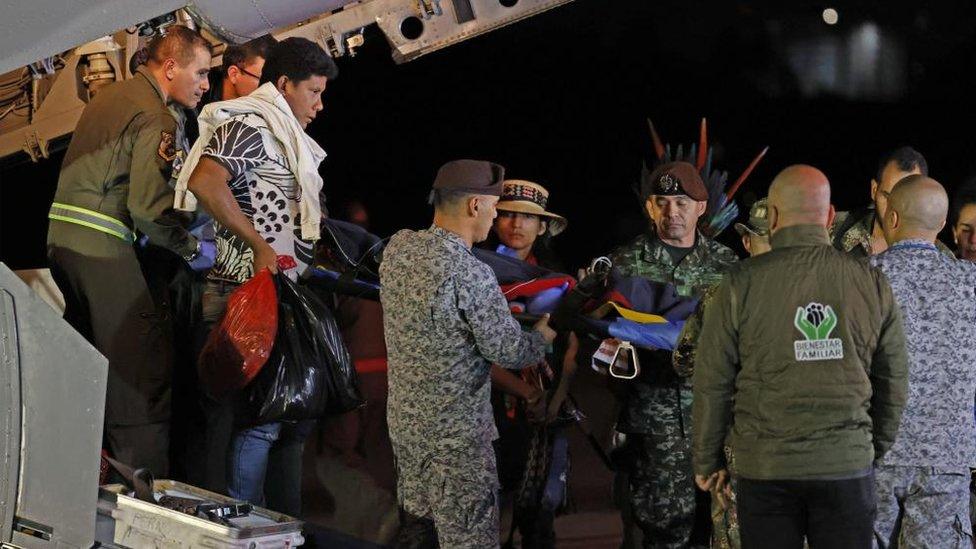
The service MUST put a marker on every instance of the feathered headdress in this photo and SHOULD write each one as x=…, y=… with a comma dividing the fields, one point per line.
x=721, y=210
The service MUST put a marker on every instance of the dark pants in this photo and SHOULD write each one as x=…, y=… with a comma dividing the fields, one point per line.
x=536, y=526
x=174, y=285
x=142, y=444
x=830, y=513
x=212, y=439
x=416, y=532
x=283, y=483
x=109, y=302
x=516, y=443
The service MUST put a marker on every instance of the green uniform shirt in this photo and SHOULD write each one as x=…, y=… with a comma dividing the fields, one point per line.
x=701, y=269
x=851, y=232
x=648, y=407
x=118, y=164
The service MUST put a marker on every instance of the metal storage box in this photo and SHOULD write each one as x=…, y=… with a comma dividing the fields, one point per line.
x=130, y=522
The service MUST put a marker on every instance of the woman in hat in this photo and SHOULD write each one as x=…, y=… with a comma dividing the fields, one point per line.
x=523, y=227
x=531, y=451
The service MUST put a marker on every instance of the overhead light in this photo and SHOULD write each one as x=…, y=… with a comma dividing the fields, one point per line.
x=830, y=16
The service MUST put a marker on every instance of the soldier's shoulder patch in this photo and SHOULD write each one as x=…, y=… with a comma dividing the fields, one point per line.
x=167, y=146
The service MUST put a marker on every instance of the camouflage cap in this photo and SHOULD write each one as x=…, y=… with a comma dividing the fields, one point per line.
x=758, y=223
x=675, y=178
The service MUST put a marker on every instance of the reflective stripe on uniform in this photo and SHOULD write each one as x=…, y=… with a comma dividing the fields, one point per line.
x=92, y=220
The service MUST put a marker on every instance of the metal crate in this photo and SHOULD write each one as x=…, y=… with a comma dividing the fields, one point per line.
x=141, y=524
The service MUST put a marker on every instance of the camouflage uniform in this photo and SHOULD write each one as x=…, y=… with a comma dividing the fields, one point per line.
x=446, y=322
x=683, y=358
x=657, y=409
x=851, y=232
x=725, y=522
x=923, y=481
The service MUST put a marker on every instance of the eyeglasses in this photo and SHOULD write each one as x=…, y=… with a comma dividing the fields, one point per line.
x=247, y=72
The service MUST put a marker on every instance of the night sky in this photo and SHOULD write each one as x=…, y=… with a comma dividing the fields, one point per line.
x=562, y=98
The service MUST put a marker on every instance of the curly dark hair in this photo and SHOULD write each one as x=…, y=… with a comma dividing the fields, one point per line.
x=298, y=59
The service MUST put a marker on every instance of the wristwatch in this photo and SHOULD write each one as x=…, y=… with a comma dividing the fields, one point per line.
x=194, y=255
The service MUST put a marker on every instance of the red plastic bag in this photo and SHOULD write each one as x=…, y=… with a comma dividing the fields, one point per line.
x=238, y=347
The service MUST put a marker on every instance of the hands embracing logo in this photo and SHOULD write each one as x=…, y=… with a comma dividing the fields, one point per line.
x=816, y=322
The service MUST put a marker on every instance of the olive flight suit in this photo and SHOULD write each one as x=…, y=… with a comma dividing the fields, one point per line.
x=113, y=185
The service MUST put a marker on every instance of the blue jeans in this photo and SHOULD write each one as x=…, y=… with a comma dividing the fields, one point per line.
x=265, y=465
x=248, y=462
x=260, y=461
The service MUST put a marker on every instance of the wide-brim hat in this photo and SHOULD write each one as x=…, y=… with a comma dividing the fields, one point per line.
x=530, y=198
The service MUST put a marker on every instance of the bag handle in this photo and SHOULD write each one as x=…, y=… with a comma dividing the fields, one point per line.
x=141, y=480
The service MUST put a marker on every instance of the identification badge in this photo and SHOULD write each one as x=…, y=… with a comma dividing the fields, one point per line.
x=603, y=357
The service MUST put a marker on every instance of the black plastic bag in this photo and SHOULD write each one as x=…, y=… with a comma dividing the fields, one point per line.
x=309, y=373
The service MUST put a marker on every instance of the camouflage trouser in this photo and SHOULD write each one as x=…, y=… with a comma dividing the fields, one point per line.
x=725, y=522
x=448, y=499
x=662, y=489
x=922, y=507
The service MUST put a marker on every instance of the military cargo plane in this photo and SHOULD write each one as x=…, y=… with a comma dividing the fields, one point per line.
x=59, y=53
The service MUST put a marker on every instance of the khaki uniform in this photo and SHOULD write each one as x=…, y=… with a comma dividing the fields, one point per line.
x=113, y=183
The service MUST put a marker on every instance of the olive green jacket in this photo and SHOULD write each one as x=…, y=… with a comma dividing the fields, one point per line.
x=803, y=356
x=118, y=164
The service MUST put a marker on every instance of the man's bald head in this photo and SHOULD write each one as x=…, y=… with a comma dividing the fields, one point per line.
x=917, y=208
x=799, y=195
